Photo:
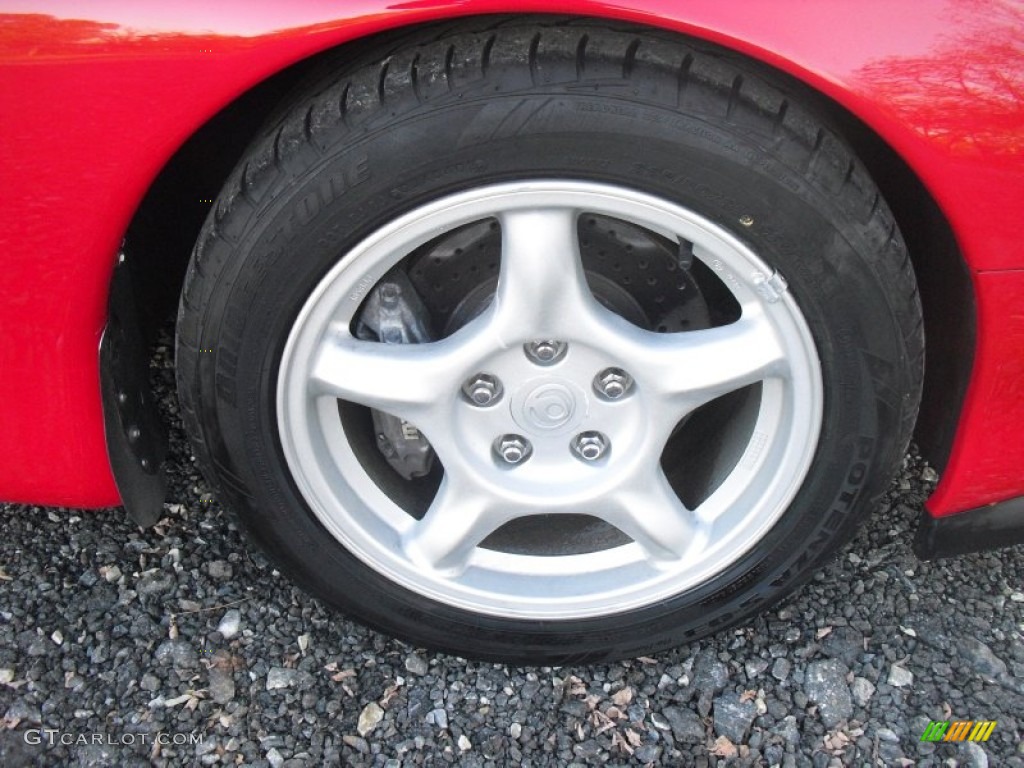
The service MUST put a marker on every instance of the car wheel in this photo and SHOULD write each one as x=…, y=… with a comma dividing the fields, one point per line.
x=548, y=340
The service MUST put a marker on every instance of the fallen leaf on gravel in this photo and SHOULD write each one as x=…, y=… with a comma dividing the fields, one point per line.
x=646, y=660
x=576, y=686
x=836, y=742
x=592, y=701
x=391, y=693
x=724, y=748
x=634, y=738
x=345, y=673
x=621, y=743
x=601, y=722
x=908, y=631
x=823, y=632
x=623, y=697
x=748, y=696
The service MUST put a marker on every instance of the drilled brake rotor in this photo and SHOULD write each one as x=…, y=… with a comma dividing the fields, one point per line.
x=639, y=275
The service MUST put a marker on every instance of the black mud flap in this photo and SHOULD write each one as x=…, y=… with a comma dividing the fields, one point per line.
x=136, y=443
x=977, y=530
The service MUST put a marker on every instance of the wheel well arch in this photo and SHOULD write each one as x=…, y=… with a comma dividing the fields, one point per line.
x=158, y=246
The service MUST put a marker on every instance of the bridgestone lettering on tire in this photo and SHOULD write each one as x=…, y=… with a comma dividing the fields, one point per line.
x=549, y=340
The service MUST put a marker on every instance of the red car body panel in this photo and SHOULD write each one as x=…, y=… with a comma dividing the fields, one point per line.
x=93, y=109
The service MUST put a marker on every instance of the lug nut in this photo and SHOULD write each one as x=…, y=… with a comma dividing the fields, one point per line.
x=513, y=449
x=613, y=383
x=545, y=351
x=590, y=446
x=482, y=389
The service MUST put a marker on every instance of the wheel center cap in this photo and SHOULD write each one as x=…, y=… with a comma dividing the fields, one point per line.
x=549, y=405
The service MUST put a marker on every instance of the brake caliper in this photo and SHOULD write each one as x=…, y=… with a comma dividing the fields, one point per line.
x=394, y=313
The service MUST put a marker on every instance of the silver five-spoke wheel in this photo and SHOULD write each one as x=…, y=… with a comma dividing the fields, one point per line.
x=546, y=403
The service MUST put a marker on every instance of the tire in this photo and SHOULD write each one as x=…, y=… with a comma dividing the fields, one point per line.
x=549, y=341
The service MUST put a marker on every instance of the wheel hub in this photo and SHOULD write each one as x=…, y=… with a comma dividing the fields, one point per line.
x=549, y=405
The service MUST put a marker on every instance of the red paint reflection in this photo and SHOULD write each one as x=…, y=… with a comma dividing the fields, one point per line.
x=968, y=92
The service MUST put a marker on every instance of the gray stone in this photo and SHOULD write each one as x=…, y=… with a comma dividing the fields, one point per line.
x=438, y=717
x=154, y=584
x=280, y=677
x=733, y=717
x=888, y=734
x=587, y=750
x=843, y=643
x=149, y=683
x=826, y=686
x=369, y=718
x=178, y=653
x=781, y=669
x=889, y=752
x=972, y=755
x=709, y=674
x=862, y=690
x=357, y=743
x=686, y=725
x=981, y=659
x=755, y=668
x=220, y=570
x=222, y=684
x=900, y=677
x=789, y=731
x=230, y=624
x=648, y=753
x=415, y=664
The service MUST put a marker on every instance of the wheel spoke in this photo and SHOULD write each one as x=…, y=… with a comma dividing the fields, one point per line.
x=692, y=368
x=454, y=525
x=405, y=380
x=542, y=289
x=651, y=514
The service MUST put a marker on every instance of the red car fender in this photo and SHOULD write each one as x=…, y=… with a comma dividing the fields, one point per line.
x=95, y=108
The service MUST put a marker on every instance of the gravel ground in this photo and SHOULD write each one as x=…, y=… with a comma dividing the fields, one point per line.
x=114, y=635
